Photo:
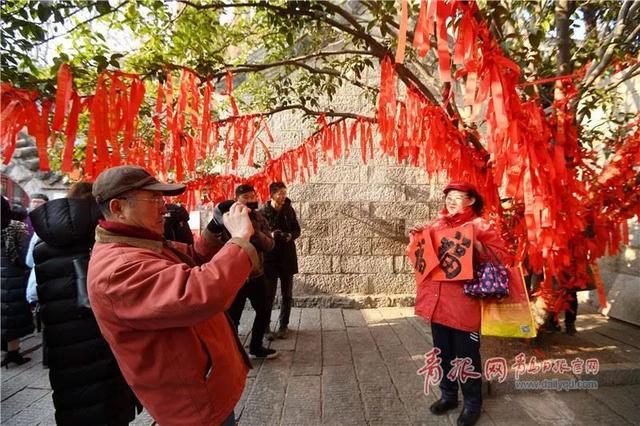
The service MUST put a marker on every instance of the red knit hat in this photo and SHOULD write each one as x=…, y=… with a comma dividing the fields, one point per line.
x=460, y=186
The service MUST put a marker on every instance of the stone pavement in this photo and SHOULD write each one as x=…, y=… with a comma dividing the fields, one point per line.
x=359, y=367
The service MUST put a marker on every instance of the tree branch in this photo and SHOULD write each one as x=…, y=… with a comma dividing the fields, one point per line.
x=302, y=108
x=81, y=24
x=628, y=74
x=381, y=51
x=247, y=68
x=633, y=35
x=355, y=29
x=607, y=49
x=310, y=69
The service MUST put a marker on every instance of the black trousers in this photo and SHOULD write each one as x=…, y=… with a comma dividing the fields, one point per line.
x=571, y=313
x=286, y=290
x=454, y=343
x=256, y=291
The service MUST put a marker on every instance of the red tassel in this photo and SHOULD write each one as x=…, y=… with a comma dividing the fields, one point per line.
x=70, y=134
x=444, y=59
x=135, y=100
x=99, y=118
x=42, y=135
x=157, y=158
x=402, y=33
x=64, y=89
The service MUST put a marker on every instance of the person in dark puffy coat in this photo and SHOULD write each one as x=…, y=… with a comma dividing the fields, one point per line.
x=17, y=321
x=282, y=262
x=88, y=387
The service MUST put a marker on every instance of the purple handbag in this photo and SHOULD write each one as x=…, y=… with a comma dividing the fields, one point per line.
x=491, y=280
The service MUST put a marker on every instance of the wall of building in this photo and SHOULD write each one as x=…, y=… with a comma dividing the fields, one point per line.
x=355, y=220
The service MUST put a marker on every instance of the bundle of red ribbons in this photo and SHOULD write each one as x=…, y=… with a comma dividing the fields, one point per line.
x=535, y=157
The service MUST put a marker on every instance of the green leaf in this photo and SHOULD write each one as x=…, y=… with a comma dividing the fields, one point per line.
x=44, y=11
x=103, y=7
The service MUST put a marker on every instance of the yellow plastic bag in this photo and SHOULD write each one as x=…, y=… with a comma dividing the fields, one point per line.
x=510, y=316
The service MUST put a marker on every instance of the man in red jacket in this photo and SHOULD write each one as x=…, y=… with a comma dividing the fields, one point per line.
x=161, y=305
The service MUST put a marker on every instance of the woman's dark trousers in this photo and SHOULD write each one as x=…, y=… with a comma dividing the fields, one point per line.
x=454, y=343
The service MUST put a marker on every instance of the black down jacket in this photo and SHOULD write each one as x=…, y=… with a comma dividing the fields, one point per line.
x=16, y=314
x=88, y=387
x=283, y=259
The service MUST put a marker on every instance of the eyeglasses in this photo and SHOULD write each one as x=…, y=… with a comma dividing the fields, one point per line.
x=159, y=201
x=455, y=199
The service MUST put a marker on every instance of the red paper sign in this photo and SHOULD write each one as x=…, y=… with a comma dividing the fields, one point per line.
x=455, y=251
x=421, y=254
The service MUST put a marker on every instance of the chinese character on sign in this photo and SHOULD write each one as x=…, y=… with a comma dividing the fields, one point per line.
x=420, y=264
x=496, y=367
x=455, y=253
x=534, y=367
x=462, y=368
x=421, y=254
x=547, y=365
x=592, y=366
x=577, y=365
x=520, y=364
x=431, y=370
x=561, y=366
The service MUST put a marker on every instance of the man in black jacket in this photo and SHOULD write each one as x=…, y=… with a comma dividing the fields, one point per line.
x=282, y=261
x=255, y=288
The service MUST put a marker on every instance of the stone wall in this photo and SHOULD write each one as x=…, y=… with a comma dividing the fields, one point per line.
x=24, y=166
x=355, y=220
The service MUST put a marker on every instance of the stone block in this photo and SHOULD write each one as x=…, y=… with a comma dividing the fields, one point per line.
x=315, y=191
x=402, y=265
x=414, y=210
x=339, y=174
x=368, y=227
x=26, y=152
x=627, y=373
x=377, y=192
x=333, y=209
x=32, y=164
x=353, y=246
x=302, y=245
x=314, y=264
x=309, y=284
x=345, y=228
x=388, y=246
x=624, y=298
x=422, y=194
x=392, y=283
x=24, y=141
x=366, y=264
x=335, y=264
x=398, y=174
x=315, y=228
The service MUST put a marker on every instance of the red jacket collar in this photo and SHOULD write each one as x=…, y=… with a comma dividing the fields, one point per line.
x=130, y=231
x=456, y=219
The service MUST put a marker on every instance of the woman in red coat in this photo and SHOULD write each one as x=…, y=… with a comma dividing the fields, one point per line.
x=455, y=317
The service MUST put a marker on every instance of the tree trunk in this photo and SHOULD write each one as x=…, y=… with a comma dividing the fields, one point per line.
x=564, y=9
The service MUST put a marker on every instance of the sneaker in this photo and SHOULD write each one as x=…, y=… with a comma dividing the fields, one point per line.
x=264, y=353
x=282, y=333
